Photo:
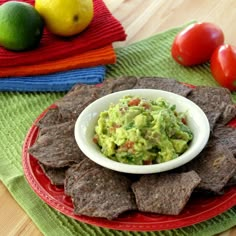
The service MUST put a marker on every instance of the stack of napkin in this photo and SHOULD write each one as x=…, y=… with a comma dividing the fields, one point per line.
x=59, y=63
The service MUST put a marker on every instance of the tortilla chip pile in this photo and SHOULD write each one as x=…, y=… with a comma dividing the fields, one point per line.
x=100, y=192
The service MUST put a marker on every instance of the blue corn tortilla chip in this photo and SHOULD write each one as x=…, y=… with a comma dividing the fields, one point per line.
x=100, y=192
x=170, y=85
x=216, y=102
x=56, y=146
x=215, y=165
x=165, y=193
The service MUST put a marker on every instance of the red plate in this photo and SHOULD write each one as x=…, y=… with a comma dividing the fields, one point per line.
x=197, y=210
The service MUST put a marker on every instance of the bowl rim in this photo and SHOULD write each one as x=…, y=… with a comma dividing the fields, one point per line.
x=95, y=154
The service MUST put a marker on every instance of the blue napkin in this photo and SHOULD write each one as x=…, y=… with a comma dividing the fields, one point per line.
x=56, y=82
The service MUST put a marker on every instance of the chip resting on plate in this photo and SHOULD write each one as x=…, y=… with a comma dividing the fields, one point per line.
x=52, y=117
x=170, y=85
x=165, y=193
x=55, y=175
x=56, y=147
x=215, y=165
x=216, y=102
x=75, y=172
x=100, y=192
x=227, y=136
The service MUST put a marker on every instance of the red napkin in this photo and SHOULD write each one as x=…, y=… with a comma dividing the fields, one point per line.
x=96, y=57
x=104, y=29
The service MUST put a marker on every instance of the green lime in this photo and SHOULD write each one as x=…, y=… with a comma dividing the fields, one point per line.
x=21, y=26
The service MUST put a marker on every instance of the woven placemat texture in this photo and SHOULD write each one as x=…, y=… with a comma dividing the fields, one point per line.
x=19, y=110
x=103, y=30
x=101, y=56
x=56, y=82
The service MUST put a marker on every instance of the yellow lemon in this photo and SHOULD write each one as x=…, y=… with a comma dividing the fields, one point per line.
x=65, y=17
x=21, y=26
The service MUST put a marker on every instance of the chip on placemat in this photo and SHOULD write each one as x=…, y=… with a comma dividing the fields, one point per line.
x=165, y=193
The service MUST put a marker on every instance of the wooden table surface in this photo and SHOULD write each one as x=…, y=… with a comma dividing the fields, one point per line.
x=140, y=19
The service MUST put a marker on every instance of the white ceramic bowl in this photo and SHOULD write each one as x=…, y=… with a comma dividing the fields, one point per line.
x=86, y=122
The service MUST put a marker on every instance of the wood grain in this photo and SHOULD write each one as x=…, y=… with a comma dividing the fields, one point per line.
x=140, y=19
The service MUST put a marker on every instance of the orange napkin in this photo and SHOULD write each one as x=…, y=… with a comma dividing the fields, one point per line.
x=101, y=56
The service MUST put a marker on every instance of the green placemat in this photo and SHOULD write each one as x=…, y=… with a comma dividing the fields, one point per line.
x=19, y=110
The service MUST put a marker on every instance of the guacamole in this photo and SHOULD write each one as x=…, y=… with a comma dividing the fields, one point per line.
x=141, y=131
